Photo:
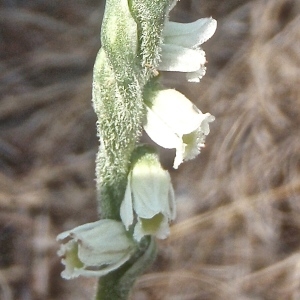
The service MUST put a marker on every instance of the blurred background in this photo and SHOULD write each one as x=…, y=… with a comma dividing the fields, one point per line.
x=237, y=235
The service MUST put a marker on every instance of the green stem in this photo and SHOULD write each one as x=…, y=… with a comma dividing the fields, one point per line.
x=131, y=37
x=118, y=284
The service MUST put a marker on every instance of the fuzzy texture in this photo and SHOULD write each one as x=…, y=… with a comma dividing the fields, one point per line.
x=117, y=102
x=118, y=82
x=150, y=16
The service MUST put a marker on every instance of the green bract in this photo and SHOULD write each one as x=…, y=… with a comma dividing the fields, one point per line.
x=150, y=16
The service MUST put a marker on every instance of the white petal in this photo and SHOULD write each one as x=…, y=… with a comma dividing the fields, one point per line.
x=160, y=132
x=175, y=122
x=126, y=209
x=179, y=156
x=176, y=111
x=189, y=35
x=138, y=233
x=104, y=244
x=186, y=151
x=95, y=249
x=194, y=141
x=197, y=75
x=77, y=230
x=153, y=196
x=150, y=186
x=207, y=118
x=68, y=274
x=170, y=117
x=180, y=59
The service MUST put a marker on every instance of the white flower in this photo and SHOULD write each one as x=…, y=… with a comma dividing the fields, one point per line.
x=95, y=249
x=173, y=121
x=181, y=50
x=149, y=194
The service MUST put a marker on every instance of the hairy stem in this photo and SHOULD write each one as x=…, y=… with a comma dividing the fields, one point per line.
x=117, y=285
x=131, y=37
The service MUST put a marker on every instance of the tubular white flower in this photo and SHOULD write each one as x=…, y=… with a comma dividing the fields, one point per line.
x=181, y=47
x=95, y=249
x=173, y=121
x=149, y=195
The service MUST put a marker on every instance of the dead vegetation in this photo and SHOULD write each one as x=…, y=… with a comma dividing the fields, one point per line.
x=238, y=230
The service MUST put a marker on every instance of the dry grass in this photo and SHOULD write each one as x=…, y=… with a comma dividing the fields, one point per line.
x=238, y=229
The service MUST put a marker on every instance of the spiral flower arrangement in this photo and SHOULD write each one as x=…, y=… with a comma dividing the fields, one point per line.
x=135, y=194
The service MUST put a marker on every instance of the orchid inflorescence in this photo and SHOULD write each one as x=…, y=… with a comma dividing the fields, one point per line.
x=136, y=197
